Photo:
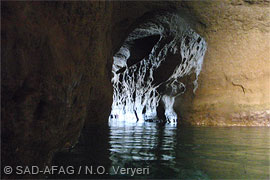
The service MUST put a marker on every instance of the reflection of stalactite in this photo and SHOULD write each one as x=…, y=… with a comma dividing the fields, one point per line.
x=136, y=81
x=140, y=142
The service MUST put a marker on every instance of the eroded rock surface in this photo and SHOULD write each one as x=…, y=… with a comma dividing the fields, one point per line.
x=148, y=68
x=235, y=76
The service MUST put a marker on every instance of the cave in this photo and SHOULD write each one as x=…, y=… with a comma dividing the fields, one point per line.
x=148, y=68
x=135, y=89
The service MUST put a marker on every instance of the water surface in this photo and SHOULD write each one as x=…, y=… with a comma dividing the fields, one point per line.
x=168, y=151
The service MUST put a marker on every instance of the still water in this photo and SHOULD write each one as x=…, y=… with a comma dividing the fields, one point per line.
x=156, y=151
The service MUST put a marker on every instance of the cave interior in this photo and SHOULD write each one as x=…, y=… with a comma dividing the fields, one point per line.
x=181, y=87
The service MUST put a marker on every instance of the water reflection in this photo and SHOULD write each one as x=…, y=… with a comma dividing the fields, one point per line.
x=142, y=141
x=171, y=152
x=190, y=153
x=146, y=144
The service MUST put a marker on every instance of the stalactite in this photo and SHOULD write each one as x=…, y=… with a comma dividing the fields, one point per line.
x=136, y=92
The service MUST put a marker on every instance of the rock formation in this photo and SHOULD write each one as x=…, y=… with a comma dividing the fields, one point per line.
x=56, y=61
x=234, y=84
x=150, y=64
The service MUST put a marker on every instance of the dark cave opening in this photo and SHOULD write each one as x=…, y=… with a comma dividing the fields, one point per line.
x=139, y=49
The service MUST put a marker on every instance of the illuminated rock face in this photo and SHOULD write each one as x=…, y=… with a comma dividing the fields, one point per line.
x=148, y=68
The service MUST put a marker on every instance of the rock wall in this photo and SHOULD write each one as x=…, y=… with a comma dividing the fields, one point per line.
x=234, y=85
x=56, y=62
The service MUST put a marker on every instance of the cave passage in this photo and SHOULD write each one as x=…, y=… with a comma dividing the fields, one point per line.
x=148, y=68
